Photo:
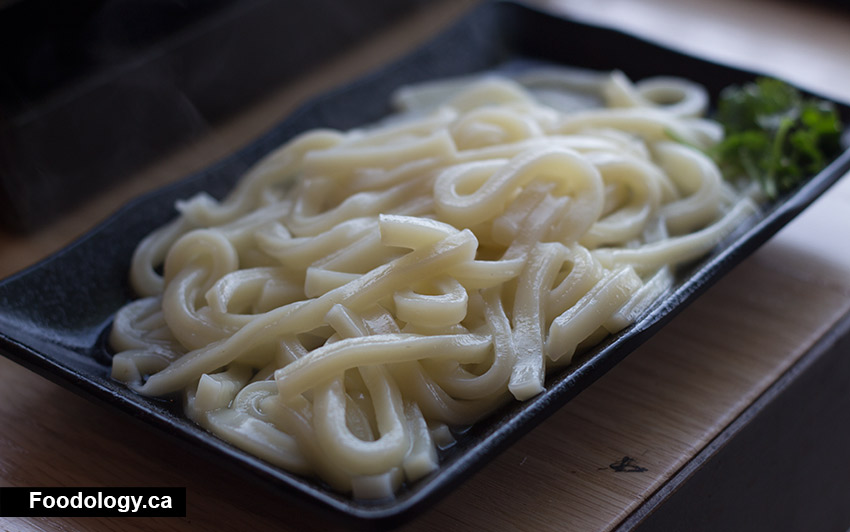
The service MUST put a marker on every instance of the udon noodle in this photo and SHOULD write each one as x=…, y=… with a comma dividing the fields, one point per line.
x=361, y=293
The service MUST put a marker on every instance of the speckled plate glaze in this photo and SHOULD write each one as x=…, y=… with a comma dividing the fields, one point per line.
x=54, y=315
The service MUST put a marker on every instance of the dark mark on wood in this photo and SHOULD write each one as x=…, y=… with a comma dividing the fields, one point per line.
x=627, y=465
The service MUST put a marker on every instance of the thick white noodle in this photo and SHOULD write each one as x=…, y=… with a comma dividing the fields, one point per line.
x=359, y=294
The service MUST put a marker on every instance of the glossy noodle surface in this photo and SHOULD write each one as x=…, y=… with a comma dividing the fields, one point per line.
x=360, y=293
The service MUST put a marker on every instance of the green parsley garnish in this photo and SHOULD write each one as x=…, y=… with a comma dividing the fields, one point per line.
x=775, y=135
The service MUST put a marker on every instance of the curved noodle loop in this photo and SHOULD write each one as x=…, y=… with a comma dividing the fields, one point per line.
x=361, y=293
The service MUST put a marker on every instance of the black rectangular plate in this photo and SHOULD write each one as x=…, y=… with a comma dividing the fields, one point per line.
x=53, y=316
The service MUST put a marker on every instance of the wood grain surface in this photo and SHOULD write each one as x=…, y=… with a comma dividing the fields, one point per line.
x=595, y=461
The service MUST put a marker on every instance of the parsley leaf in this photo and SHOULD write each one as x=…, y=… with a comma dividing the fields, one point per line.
x=775, y=135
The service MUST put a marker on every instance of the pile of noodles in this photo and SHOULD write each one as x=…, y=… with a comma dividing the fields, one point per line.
x=360, y=293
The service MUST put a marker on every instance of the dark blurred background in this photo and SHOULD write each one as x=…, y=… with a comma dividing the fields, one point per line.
x=92, y=90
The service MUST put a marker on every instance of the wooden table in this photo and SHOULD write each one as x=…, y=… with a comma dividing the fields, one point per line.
x=635, y=442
